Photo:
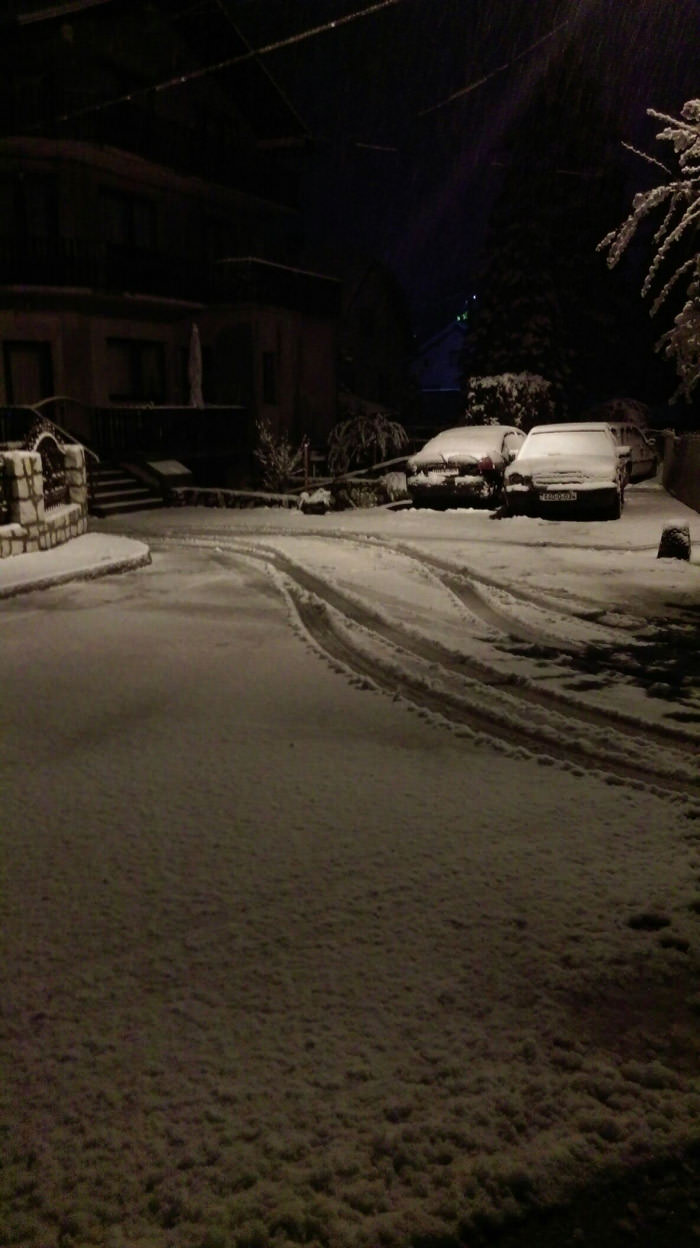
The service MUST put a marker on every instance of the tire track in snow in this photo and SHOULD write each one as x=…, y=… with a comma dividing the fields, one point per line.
x=463, y=582
x=465, y=693
x=396, y=672
x=464, y=666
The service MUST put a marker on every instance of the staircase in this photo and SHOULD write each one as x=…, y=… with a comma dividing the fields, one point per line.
x=115, y=490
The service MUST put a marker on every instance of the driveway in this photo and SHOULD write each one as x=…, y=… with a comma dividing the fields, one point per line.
x=297, y=954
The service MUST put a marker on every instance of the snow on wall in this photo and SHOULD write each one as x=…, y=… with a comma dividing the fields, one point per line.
x=31, y=527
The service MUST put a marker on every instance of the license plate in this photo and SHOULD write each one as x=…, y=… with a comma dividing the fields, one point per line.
x=559, y=496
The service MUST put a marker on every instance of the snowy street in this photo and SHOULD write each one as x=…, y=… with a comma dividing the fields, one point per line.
x=351, y=877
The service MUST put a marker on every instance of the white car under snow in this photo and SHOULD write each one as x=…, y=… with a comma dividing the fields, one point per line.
x=575, y=469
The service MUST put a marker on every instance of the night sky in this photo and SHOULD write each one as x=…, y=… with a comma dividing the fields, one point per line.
x=403, y=171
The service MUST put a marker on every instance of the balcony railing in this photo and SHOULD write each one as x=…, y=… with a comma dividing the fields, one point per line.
x=184, y=433
x=216, y=156
x=139, y=432
x=100, y=267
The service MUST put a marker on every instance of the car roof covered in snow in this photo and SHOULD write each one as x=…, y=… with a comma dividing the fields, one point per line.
x=581, y=426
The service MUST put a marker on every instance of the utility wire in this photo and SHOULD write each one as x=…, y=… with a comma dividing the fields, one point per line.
x=223, y=8
x=204, y=70
x=457, y=95
x=500, y=69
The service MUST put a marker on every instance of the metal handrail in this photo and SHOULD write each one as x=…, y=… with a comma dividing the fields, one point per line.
x=63, y=398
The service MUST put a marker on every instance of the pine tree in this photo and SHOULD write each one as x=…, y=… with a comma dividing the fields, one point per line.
x=673, y=277
x=543, y=304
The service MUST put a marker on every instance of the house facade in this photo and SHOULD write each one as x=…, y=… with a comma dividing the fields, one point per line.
x=129, y=214
x=438, y=372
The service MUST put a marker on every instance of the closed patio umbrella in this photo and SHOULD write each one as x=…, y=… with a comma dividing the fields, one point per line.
x=194, y=369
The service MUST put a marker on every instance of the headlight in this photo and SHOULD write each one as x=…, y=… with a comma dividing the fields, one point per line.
x=517, y=478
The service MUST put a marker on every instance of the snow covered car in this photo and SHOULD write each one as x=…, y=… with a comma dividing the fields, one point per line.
x=577, y=469
x=462, y=466
x=643, y=460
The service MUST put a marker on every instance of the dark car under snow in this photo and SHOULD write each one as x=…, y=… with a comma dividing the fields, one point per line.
x=462, y=466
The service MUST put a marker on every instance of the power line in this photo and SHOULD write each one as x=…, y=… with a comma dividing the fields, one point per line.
x=203, y=71
x=500, y=69
x=223, y=8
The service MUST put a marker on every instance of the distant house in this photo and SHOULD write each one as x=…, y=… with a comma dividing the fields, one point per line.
x=438, y=372
x=127, y=215
x=375, y=342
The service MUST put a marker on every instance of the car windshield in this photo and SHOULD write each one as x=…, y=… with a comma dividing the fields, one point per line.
x=476, y=442
x=569, y=442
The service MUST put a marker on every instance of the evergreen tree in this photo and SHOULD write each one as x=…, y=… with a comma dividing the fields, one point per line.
x=543, y=303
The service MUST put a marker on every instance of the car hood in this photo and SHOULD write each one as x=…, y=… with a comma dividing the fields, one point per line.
x=571, y=467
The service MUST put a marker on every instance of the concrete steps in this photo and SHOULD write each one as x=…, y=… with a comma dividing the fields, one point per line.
x=115, y=491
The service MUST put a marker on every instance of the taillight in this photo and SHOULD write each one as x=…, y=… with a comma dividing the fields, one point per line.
x=485, y=464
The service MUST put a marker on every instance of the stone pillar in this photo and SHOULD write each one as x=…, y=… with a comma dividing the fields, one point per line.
x=24, y=482
x=76, y=476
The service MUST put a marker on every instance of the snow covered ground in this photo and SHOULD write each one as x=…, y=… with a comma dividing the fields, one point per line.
x=352, y=877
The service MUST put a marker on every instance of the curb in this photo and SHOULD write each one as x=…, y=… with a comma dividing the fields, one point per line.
x=79, y=574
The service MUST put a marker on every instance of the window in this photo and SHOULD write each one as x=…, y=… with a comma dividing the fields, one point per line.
x=28, y=371
x=269, y=363
x=218, y=240
x=136, y=370
x=512, y=443
x=29, y=206
x=127, y=220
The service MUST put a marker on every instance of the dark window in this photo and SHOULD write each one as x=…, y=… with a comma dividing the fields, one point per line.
x=127, y=220
x=218, y=240
x=269, y=363
x=28, y=371
x=29, y=206
x=136, y=370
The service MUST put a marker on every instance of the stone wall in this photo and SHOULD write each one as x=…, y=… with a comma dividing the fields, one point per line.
x=681, y=470
x=30, y=526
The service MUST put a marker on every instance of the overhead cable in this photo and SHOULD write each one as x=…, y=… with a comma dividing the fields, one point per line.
x=204, y=70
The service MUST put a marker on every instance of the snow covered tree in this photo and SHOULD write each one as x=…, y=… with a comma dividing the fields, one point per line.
x=520, y=399
x=674, y=272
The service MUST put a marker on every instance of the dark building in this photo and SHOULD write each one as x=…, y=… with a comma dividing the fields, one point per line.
x=142, y=193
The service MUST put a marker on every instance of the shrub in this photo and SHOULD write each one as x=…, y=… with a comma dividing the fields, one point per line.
x=364, y=439
x=277, y=458
x=520, y=399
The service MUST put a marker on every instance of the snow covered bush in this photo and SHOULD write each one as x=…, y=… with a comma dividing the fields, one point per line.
x=364, y=439
x=277, y=458
x=675, y=266
x=520, y=399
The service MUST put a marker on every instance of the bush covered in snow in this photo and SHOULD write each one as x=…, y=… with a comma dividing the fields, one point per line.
x=520, y=399
x=278, y=460
x=365, y=438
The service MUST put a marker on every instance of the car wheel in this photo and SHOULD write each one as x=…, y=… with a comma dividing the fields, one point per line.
x=614, y=510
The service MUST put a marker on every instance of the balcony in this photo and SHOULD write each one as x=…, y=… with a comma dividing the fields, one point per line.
x=215, y=156
x=139, y=432
x=98, y=267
